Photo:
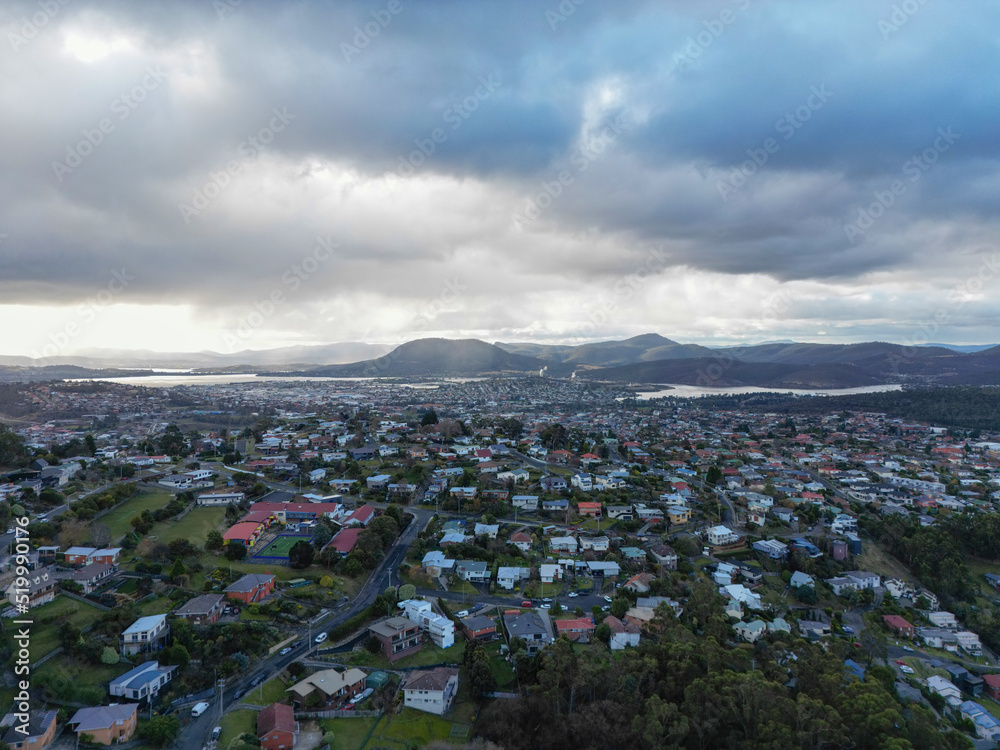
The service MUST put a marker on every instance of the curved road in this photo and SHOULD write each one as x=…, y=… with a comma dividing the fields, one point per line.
x=196, y=732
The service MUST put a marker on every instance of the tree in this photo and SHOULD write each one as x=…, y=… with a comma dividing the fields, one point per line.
x=326, y=582
x=214, y=541
x=235, y=551
x=179, y=655
x=429, y=418
x=109, y=656
x=481, y=678
x=160, y=731
x=407, y=591
x=301, y=554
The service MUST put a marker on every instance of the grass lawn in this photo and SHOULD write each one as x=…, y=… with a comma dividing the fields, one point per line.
x=464, y=586
x=272, y=691
x=428, y=655
x=194, y=526
x=503, y=673
x=48, y=618
x=159, y=606
x=348, y=734
x=69, y=681
x=147, y=499
x=235, y=723
x=410, y=726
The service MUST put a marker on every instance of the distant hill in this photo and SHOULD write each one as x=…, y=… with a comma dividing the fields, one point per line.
x=645, y=348
x=438, y=357
x=324, y=354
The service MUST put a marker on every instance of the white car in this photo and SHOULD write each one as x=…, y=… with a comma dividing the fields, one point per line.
x=546, y=606
x=906, y=670
x=607, y=599
x=199, y=709
x=573, y=595
x=321, y=637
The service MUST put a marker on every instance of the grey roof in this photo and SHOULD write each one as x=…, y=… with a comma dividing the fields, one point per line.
x=38, y=724
x=249, y=582
x=433, y=679
x=526, y=623
x=102, y=717
x=478, y=622
x=143, y=674
x=200, y=605
x=392, y=626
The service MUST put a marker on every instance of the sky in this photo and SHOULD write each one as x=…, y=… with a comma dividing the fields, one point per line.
x=226, y=175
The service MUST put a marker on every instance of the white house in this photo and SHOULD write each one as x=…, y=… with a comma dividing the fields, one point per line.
x=549, y=572
x=509, y=577
x=943, y=620
x=145, y=634
x=582, y=481
x=945, y=689
x=440, y=629
x=432, y=690
x=740, y=593
x=595, y=543
x=624, y=634
x=751, y=632
x=145, y=681
x=563, y=544
x=969, y=642
x=721, y=535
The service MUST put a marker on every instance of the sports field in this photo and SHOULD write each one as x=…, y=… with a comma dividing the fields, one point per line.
x=280, y=546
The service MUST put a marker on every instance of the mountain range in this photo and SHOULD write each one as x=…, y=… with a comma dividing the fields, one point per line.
x=649, y=358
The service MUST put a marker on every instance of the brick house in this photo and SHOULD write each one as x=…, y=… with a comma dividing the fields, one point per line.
x=202, y=610
x=106, y=725
x=399, y=637
x=333, y=687
x=899, y=625
x=276, y=727
x=253, y=587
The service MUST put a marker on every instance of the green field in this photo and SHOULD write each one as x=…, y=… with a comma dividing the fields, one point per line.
x=118, y=519
x=281, y=545
x=425, y=657
x=236, y=723
x=272, y=691
x=194, y=526
x=348, y=734
x=69, y=681
x=412, y=727
x=45, y=633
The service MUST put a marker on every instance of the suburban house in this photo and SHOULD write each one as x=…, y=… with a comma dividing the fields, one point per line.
x=719, y=536
x=145, y=634
x=360, y=517
x=946, y=689
x=563, y=544
x=88, y=555
x=623, y=633
x=623, y=512
x=801, y=579
x=40, y=730
x=969, y=642
x=479, y=628
x=520, y=540
x=399, y=637
x=489, y=530
x=639, y=583
x=106, y=725
x=589, y=510
x=665, y=556
x=987, y=727
x=530, y=626
x=579, y=629
x=943, y=620
x=751, y=632
x=435, y=563
x=440, y=629
x=509, y=577
x=142, y=682
x=549, y=572
x=854, y=579
x=899, y=625
x=772, y=548
x=220, y=498
x=253, y=587
x=41, y=589
x=333, y=687
x=344, y=540
x=202, y=610
x=90, y=577
x=431, y=690
x=245, y=532
x=476, y=571
x=276, y=727
x=595, y=543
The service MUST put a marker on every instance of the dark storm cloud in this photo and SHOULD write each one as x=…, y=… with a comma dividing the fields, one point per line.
x=515, y=91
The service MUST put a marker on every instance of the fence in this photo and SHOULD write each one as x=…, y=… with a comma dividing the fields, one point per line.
x=335, y=714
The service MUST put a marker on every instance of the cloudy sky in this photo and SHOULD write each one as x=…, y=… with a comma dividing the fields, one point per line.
x=180, y=176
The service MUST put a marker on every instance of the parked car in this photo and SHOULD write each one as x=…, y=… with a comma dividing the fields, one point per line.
x=285, y=650
x=546, y=606
x=525, y=603
x=362, y=695
x=199, y=709
x=849, y=630
x=547, y=599
x=215, y=733
x=573, y=595
x=321, y=637
x=605, y=608
x=607, y=599
x=462, y=613
x=906, y=670
x=907, y=648
x=257, y=680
